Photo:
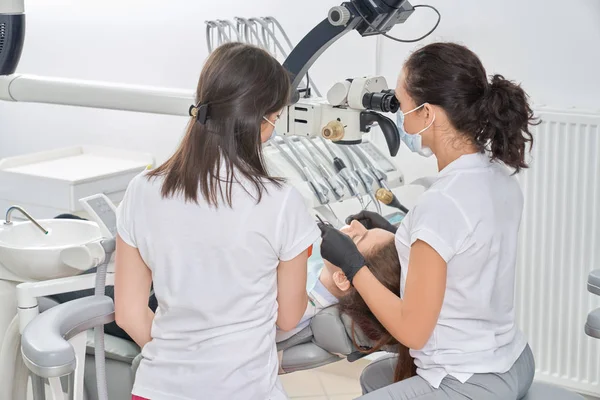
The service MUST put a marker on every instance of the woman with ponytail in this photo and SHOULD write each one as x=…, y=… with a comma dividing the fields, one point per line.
x=458, y=246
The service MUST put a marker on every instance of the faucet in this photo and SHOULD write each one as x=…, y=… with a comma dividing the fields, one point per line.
x=25, y=213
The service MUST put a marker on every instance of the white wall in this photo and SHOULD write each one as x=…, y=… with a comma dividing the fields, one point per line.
x=147, y=42
x=552, y=47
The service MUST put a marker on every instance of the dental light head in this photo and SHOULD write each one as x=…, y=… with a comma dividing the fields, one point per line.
x=12, y=34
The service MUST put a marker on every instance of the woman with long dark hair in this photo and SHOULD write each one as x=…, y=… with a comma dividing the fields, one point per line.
x=224, y=244
x=458, y=245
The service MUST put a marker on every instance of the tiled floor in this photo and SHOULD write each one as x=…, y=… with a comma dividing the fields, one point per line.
x=337, y=381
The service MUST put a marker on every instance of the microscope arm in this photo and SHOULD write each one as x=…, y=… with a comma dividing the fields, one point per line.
x=382, y=14
x=312, y=46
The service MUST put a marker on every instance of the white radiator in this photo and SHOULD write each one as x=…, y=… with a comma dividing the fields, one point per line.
x=560, y=244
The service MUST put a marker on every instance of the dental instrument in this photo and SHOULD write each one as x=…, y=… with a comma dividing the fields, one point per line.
x=318, y=188
x=379, y=175
x=388, y=198
x=366, y=179
x=343, y=171
x=324, y=209
x=334, y=183
x=289, y=159
x=384, y=193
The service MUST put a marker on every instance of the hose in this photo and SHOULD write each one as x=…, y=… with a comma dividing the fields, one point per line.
x=209, y=36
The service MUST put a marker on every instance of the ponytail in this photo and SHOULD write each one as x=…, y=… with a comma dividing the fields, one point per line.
x=507, y=116
x=494, y=116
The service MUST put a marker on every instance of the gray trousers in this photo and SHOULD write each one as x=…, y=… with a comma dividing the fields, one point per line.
x=376, y=381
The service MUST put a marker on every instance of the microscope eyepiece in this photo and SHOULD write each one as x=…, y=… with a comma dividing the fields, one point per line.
x=384, y=101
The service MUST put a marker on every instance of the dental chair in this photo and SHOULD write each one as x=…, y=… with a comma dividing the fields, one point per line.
x=48, y=354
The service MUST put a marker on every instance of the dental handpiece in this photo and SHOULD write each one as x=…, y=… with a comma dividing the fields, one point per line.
x=379, y=175
x=289, y=159
x=343, y=171
x=384, y=193
x=334, y=183
x=318, y=189
x=389, y=199
x=366, y=179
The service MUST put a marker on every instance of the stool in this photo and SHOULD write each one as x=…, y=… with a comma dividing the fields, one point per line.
x=544, y=391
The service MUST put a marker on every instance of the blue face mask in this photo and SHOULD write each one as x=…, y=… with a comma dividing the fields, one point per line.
x=413, y=140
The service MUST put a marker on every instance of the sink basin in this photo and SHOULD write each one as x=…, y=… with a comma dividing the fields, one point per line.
x=34, y=256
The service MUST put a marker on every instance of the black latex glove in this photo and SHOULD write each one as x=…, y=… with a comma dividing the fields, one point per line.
x=340, y=250
x=370, y=220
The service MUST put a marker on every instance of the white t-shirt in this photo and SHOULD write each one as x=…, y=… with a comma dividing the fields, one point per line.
x=215, y=278
x=470, y=215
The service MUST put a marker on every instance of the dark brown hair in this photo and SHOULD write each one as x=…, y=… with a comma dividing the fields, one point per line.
x=384, y=264
x=241, y=84
x=494, y=115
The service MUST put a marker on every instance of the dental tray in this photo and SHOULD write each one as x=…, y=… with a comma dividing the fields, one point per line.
x=52, y=182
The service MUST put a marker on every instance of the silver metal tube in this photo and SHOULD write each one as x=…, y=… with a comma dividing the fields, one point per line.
x=289, y=159
x=71, y=385
x=319, y=189
x=38, y=387
x=377, y=174
x=365, y=178
x=334, y=183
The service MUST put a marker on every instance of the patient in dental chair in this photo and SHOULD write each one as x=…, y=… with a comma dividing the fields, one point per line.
x=326, y=286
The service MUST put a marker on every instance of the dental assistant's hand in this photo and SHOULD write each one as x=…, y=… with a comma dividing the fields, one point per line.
x=370, y=220
x=340, y=250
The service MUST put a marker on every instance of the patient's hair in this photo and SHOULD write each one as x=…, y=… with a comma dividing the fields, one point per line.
x=240, y=84
x=383, y=262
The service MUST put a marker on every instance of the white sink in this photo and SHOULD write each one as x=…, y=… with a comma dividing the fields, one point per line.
x=32, y=255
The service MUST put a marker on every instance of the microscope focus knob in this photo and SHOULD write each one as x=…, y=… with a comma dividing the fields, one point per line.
x=339, y=16
x=333, y=131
